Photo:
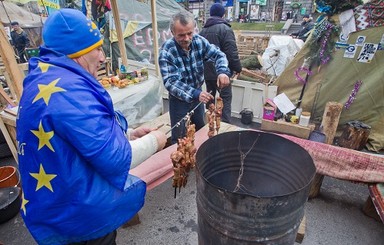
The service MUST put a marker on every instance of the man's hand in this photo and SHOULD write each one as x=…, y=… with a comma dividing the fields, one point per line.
x=222, y=81
x=139, y=132
x=161, y=137
x=205, y=97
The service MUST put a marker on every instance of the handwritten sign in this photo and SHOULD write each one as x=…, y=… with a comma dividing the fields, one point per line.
x=367, y=52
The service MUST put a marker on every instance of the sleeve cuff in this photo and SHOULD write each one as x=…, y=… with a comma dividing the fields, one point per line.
x=142, y=149
x=196, y=93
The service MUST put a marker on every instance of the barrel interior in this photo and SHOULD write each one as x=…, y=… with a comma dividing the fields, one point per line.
x=273, y=166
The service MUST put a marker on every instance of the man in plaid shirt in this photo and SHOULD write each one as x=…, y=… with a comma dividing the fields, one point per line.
x=181, y=61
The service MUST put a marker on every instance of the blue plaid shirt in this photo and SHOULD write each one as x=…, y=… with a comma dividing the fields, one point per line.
x=183, y=72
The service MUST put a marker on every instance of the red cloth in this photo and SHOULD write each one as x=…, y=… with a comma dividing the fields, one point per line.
x=343, y=163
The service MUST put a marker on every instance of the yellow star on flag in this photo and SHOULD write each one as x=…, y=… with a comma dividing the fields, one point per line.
x=44, y=137
x=44, y=66
x=43, y=179
x=23, y=203
x=47, y=90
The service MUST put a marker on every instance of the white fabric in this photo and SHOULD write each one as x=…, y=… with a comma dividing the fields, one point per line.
x=140, y=102
x=129, y=132
x=279, y=53
x=347, y=22
x=143, y=148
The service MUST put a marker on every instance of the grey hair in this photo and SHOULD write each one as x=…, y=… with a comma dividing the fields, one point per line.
x=184, y=17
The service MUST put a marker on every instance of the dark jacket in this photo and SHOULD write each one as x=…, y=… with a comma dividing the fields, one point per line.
x=20, y=40
x=217, y=31
x=304, y=32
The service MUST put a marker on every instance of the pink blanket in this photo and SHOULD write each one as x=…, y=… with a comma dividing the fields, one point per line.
x=158, y=168
x=343, y=163
x=334, y=161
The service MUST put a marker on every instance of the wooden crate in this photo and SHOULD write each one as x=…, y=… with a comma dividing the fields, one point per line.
x=8, y=128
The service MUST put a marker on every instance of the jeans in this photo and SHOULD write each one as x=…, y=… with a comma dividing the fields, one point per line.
x=178, y=109
x=225, y=94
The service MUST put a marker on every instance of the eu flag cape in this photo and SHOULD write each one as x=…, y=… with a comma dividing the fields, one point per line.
x=74, y=158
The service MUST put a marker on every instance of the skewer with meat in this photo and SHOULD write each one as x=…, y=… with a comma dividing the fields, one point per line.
x=218, y=112
x=214, y=116
x=210, y=114
x=184, y=158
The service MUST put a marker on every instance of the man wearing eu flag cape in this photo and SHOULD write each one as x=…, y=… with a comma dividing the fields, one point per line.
x=74, y=155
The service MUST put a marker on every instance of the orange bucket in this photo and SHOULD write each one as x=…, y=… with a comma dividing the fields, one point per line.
x=8, y=176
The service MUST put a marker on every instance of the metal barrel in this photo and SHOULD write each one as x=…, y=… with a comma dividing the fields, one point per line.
x=274, y=187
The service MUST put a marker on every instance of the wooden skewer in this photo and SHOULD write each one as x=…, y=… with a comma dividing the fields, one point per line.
x=158, y=127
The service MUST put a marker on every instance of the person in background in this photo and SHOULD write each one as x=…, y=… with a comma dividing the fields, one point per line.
x=289, y=15
x=181, y=61
x=74, y=154
x=20, y=40
x=295, y=17
x=307, y=26
x=218, y=32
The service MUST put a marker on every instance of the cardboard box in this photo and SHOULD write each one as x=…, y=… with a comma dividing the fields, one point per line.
x=269, y=110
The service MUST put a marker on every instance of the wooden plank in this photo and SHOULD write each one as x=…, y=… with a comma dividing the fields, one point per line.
x=11, y=140
x=287, y=128
x=5, y=96
x=10, y=64
x=329, y=124
x=120, y=37
x=369, y=209
x=9, y=118
x=155, y=34
x=316, y=186
x=301, y=232
x=250, y=73
x=8, y=80
x=330, y=120
x=8, y=128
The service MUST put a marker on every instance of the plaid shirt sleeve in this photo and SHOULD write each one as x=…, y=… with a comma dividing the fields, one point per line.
x=183, y=75
x=174, y=73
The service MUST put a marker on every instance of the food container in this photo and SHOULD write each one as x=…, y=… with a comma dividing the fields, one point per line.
x=304, y=118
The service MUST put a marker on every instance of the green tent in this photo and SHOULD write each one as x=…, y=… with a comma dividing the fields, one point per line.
x=336, y=80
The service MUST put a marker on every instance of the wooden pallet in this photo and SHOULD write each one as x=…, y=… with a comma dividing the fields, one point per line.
x=8, y=128
x=248, y=45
